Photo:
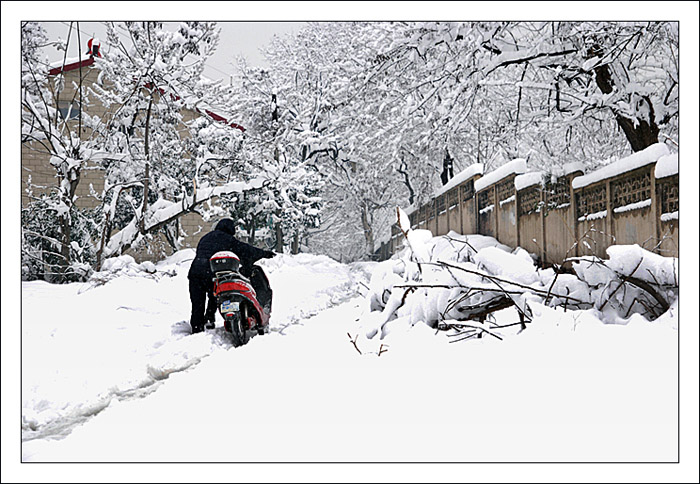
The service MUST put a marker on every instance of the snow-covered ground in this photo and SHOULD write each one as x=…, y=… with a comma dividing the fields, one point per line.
x=108, y=376
x=121, y=334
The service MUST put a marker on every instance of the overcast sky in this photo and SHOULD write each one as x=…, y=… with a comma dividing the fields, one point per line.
x=237, y=38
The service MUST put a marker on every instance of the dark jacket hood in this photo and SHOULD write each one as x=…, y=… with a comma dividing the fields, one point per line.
x=226, y=225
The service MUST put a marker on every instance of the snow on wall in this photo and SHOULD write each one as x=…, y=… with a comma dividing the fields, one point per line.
x=528, y=179
x=519, y=165
x=637, y=160
x=594, y=216
x=462, y=176
x=666, y=166
x=667, y=217
x=486, y=209
x=569, y=168
x=633, y=206
x=507, y=200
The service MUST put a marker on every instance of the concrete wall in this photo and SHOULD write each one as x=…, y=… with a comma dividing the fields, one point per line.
x=631, y=208
x=530, y=230
x=469, y=217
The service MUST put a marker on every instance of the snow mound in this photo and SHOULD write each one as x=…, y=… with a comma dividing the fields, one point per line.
x=517, y=266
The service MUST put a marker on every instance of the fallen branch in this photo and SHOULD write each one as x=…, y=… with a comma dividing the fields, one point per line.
x=496, y=279
x=354, y=342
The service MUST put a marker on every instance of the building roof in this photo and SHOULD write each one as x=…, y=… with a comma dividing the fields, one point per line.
x=90, y=60
x=73, y=65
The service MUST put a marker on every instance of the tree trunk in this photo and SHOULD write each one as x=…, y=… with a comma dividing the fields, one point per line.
x=279, y=244
x=147, y=174
x=295, y=243
x=640, y=133
x=407, y=181
x=65, y=243
x=66, y=220
x=251, y=231
x=367, y=229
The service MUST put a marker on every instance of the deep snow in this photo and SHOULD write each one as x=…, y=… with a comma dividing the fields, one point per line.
x=106, y=378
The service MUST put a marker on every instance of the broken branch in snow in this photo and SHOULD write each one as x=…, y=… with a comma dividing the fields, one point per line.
x=354, y=342
x=494, y=279
x=621, y=284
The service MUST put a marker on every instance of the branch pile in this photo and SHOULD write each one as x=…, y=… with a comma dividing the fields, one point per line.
x=457, y=282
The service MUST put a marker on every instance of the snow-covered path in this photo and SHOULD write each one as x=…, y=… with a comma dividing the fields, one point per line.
x=124, y=388
x=87, y=346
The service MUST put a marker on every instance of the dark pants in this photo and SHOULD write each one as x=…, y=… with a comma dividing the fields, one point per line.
x=200, y=291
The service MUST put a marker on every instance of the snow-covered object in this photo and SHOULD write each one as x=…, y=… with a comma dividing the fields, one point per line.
x=487, y=209
x=69, y=61
x=403, y=220
x=570, y=168
x=506, y=201
x=654, y=268
x=124, y=264
x=517, y=266
x=594, y=216
x=637, y=160
x=417, y=240
x=462, y=176
x=459, y=274
x=666, y=166
x=667, y=217
x=114, y=264
x=633, y=206
x=606, y=279
x=162, y=210
x=518, y=165
x=529, y=179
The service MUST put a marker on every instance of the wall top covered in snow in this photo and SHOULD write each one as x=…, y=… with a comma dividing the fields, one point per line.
x=518, y=166
x=666, y=166
x=462, y=176
x=570, y=168
x=529, y=179
x=637, y=160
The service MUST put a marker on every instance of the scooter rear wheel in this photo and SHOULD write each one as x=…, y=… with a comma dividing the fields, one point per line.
x=238, y=327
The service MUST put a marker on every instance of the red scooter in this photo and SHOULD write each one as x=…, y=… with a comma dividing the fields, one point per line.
x=236, y=299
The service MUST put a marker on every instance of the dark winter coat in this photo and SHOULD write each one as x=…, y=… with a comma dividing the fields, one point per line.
x=221, y=238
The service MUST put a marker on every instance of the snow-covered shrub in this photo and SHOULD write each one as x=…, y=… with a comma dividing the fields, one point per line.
x=42, y=242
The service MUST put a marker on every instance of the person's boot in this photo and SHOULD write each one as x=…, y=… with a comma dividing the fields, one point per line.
x=209, y=324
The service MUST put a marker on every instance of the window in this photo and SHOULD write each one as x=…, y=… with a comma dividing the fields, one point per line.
x=69, y=110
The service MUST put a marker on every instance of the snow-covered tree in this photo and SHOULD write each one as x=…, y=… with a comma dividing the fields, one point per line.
x=54, y=244
x=285, y=111
x=170, y=162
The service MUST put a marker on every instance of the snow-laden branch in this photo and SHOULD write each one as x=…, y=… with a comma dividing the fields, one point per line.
x=163, y=211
